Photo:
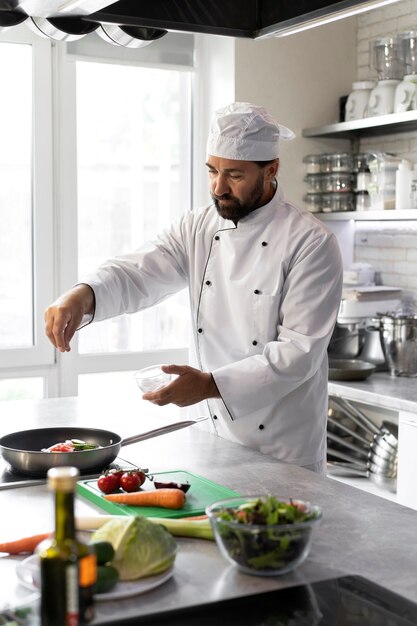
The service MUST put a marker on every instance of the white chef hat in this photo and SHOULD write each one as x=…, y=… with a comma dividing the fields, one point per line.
x=245, y=132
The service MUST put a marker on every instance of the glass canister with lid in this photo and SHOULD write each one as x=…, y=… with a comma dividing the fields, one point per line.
x=312, y=163
x=313, y=202
x=338, y=182
x=336, y=162
x=336, y=202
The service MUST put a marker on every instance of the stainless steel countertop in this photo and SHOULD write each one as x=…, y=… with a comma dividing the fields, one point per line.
x=380, y=390
x=359, y=534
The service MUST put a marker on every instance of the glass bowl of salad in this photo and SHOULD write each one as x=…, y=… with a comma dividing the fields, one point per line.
x=264, y=535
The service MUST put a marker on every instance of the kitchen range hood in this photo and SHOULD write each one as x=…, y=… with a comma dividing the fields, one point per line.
x=251, y=19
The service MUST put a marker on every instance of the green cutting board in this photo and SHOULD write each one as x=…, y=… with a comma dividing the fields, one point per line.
x=201, y=493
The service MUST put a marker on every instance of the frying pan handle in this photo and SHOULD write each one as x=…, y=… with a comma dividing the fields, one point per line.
x=163, y=430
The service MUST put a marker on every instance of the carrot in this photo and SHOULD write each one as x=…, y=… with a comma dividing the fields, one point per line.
x=194, y=518
x=164, y=498
x=25, y=544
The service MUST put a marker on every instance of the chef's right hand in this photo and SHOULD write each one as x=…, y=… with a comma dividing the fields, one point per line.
x=63, y=317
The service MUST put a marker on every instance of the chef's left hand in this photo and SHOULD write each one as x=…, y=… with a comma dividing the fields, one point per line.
x=190, y=386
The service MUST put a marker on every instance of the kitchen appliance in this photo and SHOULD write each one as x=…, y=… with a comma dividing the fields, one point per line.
x=129, y=36
x=250, y=19
x=385, y=59
x=24, y=450
x=353, y=336
x=399, y=341
x=61, y=28
x=357, y=103
x=382, y=98
x=405, y=93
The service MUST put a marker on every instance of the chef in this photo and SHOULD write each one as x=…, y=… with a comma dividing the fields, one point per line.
x=264, y=279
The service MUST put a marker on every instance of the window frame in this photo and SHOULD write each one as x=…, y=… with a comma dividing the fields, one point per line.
x=71, y=365
x=55, y=241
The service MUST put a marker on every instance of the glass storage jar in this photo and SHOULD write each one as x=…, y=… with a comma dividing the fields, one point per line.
x=313, y=202
x=314, y=183
x=312, y=163
x=337, y=182
x=337, y=162
x=337, y=202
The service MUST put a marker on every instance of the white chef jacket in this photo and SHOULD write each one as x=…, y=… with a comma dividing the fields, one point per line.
x=264, y=297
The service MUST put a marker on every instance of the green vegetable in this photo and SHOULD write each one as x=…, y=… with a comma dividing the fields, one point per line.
x=142, y=548
x=265, y=533
x=104, y=552
x=79, y=444
x=198, y=529
x=268, y=512
x=107, y=578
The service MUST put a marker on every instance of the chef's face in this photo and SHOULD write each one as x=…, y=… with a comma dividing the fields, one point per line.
x=240, y=187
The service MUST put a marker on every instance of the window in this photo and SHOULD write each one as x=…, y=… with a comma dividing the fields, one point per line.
x=95, y=160
x=16, y=214
x=133, y=151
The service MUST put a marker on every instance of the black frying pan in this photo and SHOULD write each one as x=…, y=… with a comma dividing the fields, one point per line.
x=23, y=450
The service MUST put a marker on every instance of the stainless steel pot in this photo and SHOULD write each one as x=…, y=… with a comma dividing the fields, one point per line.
x=346, y=341
x=23, y=450
x=372, y=351
x=399, y=343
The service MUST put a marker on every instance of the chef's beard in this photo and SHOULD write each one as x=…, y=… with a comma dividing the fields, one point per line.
x=231, y=208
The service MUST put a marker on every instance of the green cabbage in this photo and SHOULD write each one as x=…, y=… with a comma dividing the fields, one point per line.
x=142, y=548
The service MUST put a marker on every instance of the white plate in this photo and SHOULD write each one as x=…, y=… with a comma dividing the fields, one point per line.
x=12, y=595
x=28, y=574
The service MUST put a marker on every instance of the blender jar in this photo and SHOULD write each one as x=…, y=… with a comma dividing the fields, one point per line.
x=405, y=93
x=407, y=48
x=385, y=58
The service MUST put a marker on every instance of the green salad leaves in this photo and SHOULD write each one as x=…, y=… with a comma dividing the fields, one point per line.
x=265, y=534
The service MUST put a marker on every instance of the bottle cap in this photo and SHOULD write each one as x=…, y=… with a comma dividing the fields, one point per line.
x=63, y=478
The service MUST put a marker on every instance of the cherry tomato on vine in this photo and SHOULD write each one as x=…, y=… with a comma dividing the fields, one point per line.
x=141, y=475
x=118, y=473
x=130, y=481
x=108, y=483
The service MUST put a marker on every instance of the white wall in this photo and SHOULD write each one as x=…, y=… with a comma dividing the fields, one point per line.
x=299, y=79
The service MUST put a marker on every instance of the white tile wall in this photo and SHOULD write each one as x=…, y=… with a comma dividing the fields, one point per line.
x=392, y=251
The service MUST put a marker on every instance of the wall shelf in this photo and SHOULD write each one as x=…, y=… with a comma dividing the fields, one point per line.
x=393, y=215
x=367, y=127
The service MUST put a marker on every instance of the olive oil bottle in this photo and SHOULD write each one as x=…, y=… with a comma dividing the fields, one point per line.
x=68, y=567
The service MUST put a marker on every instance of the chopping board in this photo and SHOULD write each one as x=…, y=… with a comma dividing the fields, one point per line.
x=201, y=493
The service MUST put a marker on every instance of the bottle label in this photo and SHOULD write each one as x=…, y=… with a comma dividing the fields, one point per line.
x=88, y=570
x=71, y=581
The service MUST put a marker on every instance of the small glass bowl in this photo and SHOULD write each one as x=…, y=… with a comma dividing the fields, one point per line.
x=262, y=550
x=151, y=378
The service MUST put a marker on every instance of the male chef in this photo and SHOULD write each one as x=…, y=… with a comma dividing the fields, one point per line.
x=264, y=278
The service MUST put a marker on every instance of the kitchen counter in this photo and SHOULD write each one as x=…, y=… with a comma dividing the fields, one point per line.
x=380, y=390
x=359, y=534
